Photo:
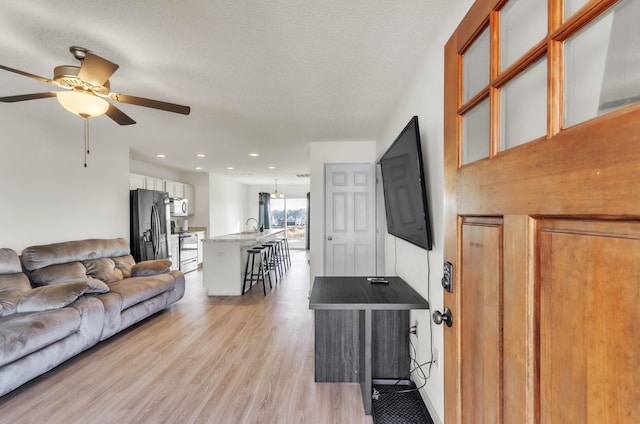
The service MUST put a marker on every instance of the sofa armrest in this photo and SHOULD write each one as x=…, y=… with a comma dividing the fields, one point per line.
x=58, y=296
x=153, y=267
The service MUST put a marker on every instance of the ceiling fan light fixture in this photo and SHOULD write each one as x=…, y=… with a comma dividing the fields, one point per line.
x=83, y=104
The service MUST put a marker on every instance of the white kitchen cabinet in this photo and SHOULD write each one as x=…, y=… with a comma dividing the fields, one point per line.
x=153, y=183
x=136, y=181
x=201, y=236
x=175, y=252
x=189, y=194
x=174, y=188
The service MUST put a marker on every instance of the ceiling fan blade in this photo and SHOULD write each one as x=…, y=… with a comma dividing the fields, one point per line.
x=95, y=69
x=156, y=104
x=119, y=116
x=23, y=97
x=27, y=74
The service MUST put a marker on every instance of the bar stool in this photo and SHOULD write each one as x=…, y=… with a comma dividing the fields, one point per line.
x=284, y=241
x=252, y=274
x=273, y=261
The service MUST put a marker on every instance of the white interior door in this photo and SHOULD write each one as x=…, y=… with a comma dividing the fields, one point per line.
x=350, y=219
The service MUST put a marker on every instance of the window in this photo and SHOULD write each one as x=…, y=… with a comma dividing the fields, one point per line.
x=508, y=98
x=291, y=214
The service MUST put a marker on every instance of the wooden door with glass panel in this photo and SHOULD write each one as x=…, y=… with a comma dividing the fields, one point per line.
x=542, y=212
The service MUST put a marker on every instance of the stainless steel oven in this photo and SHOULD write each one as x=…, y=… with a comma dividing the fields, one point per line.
x=188, y=252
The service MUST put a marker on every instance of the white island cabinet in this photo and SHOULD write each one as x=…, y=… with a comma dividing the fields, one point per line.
x=225, y=258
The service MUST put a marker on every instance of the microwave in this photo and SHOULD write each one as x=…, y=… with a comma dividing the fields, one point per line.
x=179, y=207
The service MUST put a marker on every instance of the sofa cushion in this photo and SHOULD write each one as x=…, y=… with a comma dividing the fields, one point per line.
x=36, y=257
x=137, y=289
x=124, y=264
x=9, y=299
x=57, y=296
x=9, y=261
x=23, y=334
x=17, y=281
x=12, y=286
x=104, y=269
x=146, y=268
x=12, y=281
x=54, y=274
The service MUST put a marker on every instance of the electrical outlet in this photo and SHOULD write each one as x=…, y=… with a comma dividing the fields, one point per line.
x=415, y=329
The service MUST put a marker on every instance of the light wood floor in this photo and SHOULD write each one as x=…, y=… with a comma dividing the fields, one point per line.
x=245, y=359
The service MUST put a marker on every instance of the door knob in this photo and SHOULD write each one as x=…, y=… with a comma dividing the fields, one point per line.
x=446, y=317
x=329, y=238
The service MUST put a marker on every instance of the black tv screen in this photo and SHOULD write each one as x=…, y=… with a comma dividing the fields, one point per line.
x=405, y=197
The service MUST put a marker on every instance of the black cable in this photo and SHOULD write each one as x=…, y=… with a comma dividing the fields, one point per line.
x=412, y=360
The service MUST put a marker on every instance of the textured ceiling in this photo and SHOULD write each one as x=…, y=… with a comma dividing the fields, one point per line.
x=264, y=77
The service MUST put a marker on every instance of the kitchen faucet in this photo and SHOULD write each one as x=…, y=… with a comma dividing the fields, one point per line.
x=256, y=227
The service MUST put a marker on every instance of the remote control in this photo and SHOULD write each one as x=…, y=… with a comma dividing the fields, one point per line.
x=378, y=280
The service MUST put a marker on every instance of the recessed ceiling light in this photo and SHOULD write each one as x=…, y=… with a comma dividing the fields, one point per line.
x=230, y=168
x=161, y=155
x=198, y=168
x=272, y=167
x=201, y=155
x=254, y=155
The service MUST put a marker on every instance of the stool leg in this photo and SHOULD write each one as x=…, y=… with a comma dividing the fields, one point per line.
x=287, y=254
x=265, y=261
x=272, y=261
x=279, y=256
x=261, y=273
x=246, y=272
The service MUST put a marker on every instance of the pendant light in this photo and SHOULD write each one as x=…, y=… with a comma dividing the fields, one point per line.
x=277, y=194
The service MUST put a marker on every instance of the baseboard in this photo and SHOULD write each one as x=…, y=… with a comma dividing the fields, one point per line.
x=432, y=410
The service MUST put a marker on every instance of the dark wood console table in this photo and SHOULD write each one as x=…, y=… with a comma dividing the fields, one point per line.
x=362, y=330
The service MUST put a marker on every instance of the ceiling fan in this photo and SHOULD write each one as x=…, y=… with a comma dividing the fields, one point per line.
x=91, y=78
x=87, y=87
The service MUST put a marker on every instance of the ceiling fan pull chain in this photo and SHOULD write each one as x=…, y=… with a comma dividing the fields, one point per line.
x=86, y=138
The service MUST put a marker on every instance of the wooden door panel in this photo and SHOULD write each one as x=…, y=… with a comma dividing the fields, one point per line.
x=589, y=321
x=480, y=321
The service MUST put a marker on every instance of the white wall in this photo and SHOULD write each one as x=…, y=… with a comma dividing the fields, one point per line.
x=321, y=153
x=423, y=271
x=227, y=206
x=47, y=194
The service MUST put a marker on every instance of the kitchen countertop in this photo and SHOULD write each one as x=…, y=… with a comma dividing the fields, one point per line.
x=244, y=236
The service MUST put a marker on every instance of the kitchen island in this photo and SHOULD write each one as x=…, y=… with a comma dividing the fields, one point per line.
x=225, y=258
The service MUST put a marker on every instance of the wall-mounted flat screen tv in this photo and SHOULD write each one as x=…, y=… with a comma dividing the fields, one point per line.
x=405, y=196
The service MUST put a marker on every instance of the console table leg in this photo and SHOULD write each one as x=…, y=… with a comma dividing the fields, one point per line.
x=365, y=362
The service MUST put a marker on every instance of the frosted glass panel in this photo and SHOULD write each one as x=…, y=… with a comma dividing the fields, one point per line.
x=523, y=24
x=475, y=62
x=475, y=133
x=523, y=107
x=572, y=6
x=602, y=65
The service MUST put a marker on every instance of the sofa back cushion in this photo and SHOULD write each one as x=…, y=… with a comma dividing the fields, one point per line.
x=60, y=273
x=36, y=257
x=13, y=283
x=59, y=262
x=103, y=269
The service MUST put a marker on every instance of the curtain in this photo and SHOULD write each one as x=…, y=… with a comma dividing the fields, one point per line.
x=264, y=210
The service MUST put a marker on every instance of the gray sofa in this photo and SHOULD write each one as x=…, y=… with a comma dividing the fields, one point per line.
x=60, y=299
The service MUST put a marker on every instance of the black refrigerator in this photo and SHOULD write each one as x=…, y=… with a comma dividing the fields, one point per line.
x=150, y=228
